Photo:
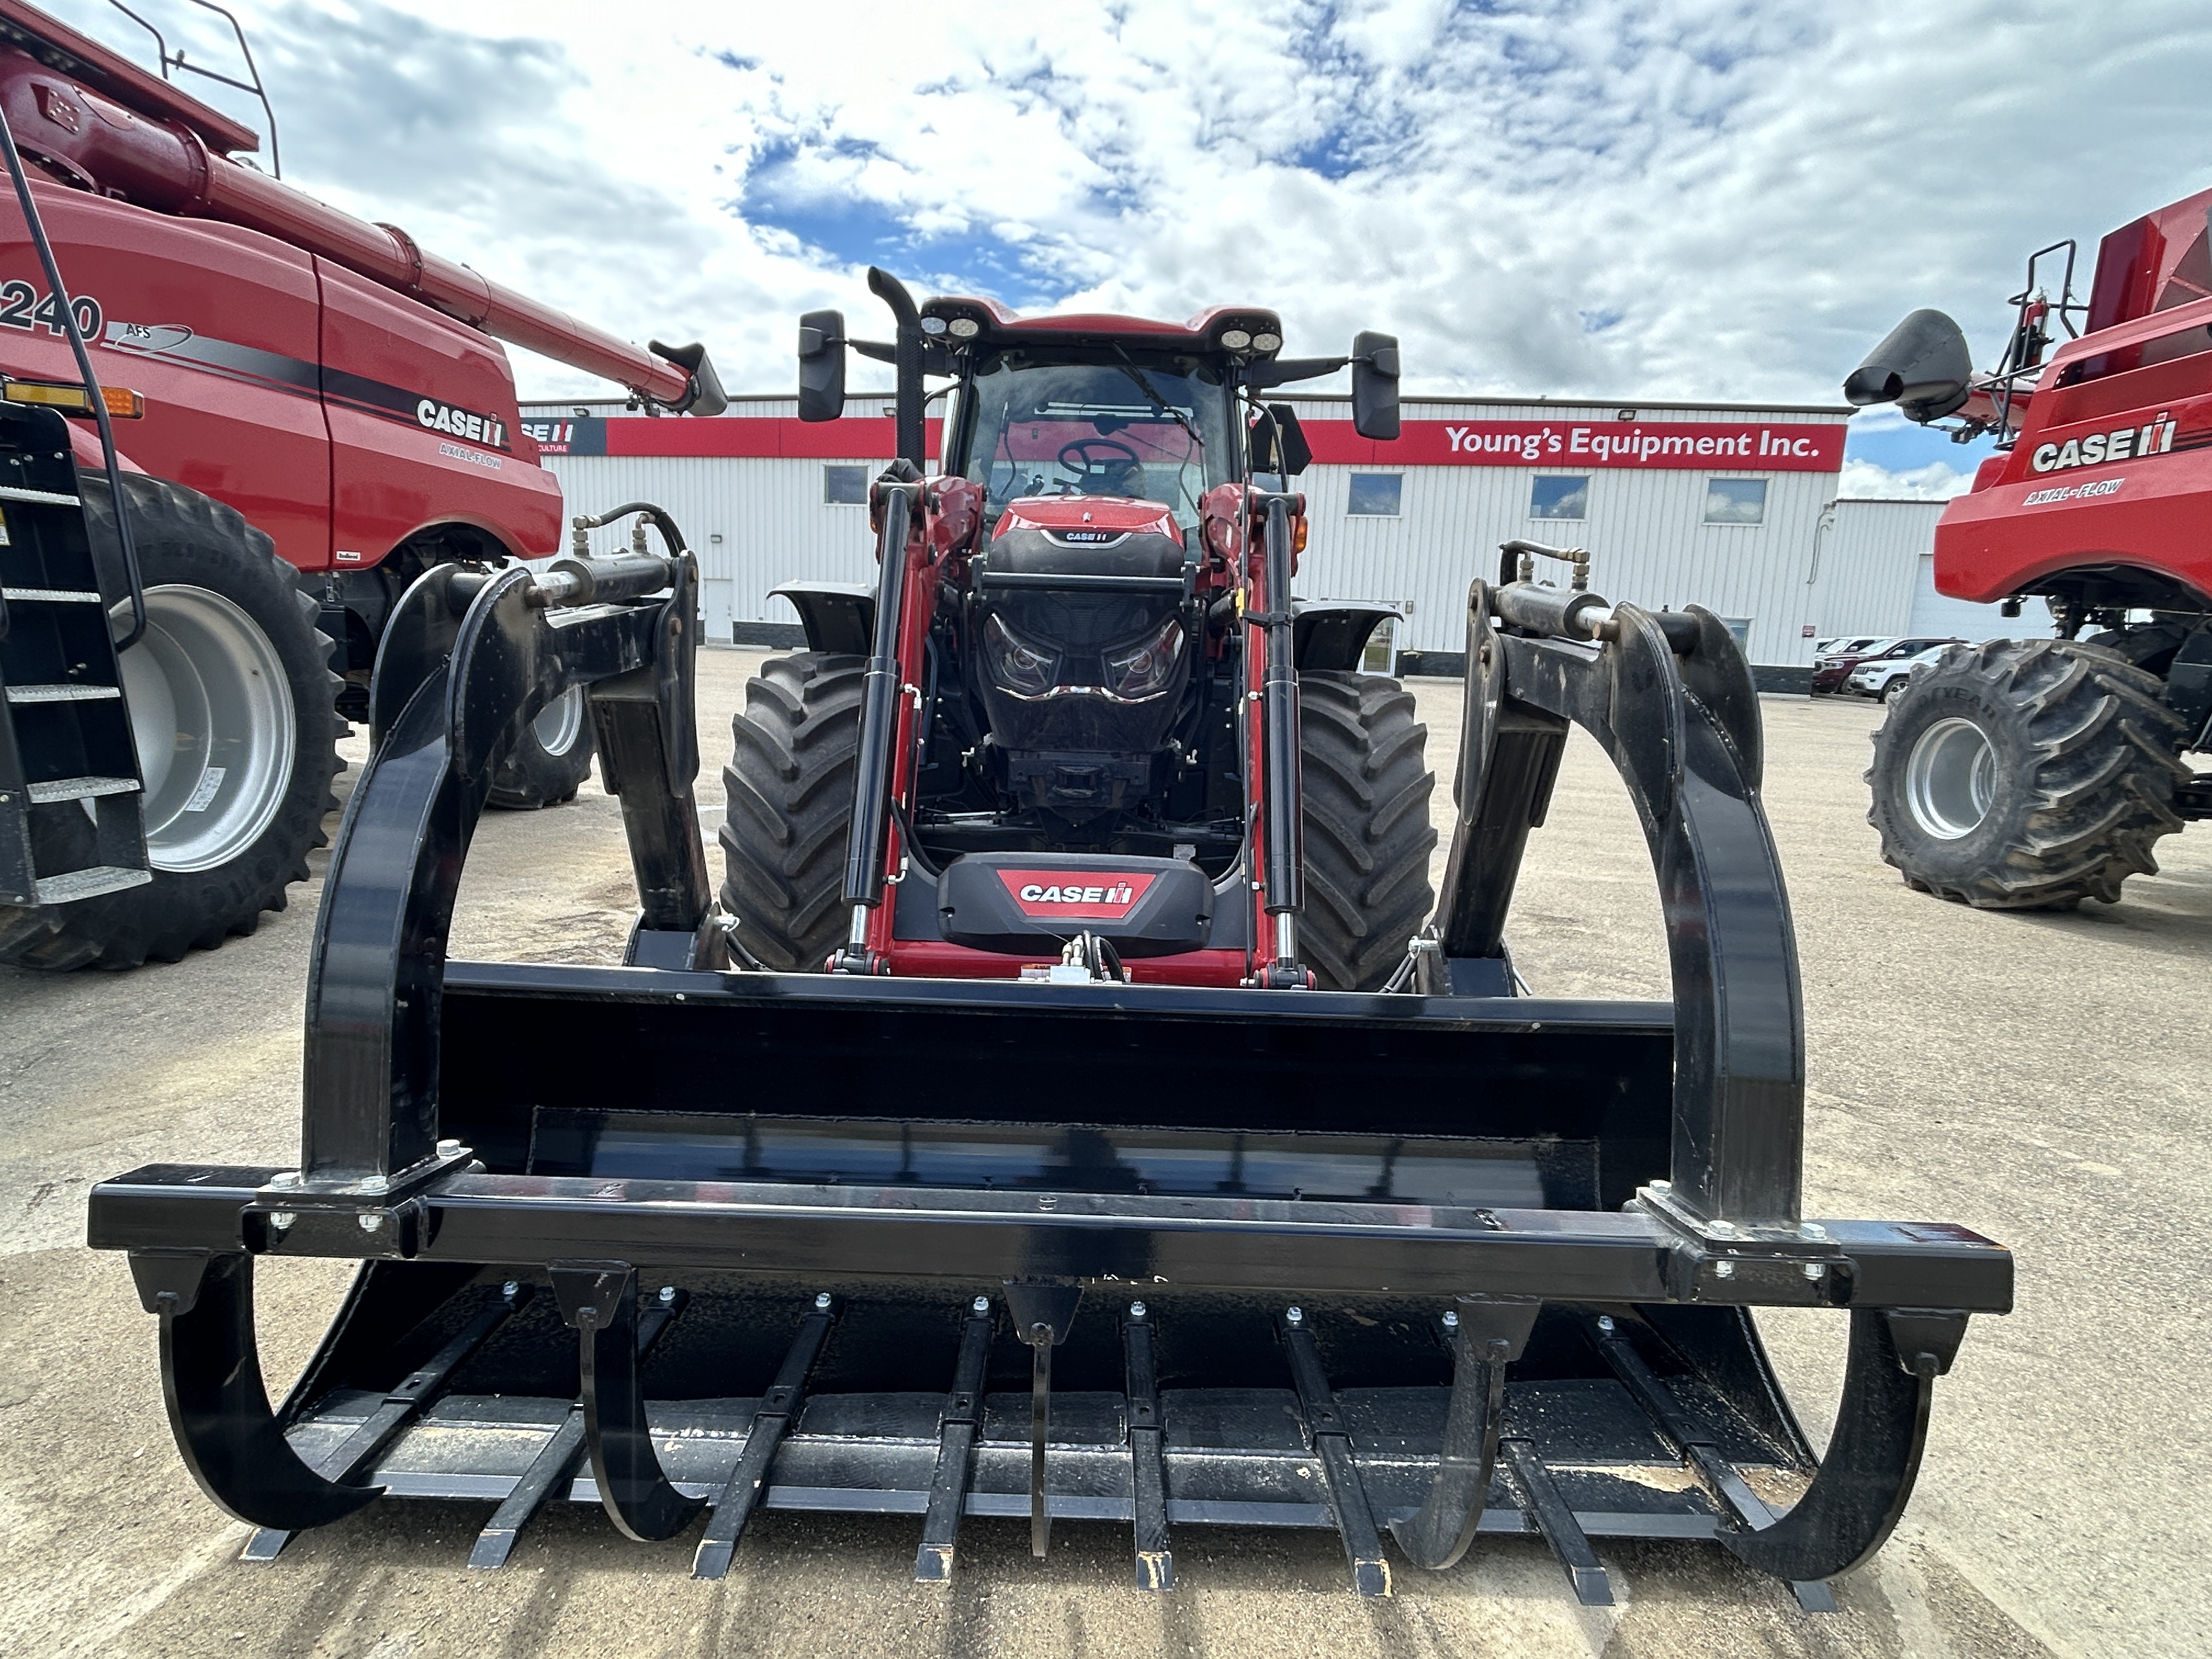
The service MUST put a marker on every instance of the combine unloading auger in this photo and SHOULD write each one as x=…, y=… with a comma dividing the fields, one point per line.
x=1435, y=1262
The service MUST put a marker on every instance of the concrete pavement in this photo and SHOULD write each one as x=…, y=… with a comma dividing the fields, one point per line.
x=2040, y=1079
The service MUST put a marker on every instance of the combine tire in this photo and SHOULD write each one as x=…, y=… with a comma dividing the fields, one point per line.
x=232, y=704
x=1367, y=832
x=551, y=762
x=790, y=783
x=2023, y=776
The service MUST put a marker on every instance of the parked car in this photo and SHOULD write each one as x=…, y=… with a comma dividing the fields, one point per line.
x=1884, y=676
x=1830, y=672
x=1844, y=644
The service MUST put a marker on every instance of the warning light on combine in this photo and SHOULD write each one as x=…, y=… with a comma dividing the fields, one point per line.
x=123, y=404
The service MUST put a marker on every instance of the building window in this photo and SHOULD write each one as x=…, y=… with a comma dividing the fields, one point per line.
x=1736, y=501
x=845, y=485
x=1559, y=498
x=1375, y=495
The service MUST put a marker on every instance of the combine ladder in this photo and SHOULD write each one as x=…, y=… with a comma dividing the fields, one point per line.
x=66, y=731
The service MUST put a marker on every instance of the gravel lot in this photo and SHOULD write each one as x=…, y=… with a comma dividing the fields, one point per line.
x=2027, y=1076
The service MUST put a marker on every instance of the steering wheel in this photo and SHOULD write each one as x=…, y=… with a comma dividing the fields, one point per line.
x=1076, y=457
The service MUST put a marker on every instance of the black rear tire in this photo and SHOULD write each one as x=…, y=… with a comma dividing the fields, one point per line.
x=1367, y=832
x=790, y=784
x=2027, y=775
x=551, y=762
x=228, y=605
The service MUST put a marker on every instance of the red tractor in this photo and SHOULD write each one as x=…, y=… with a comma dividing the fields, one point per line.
x=309, y=412
x=1080, y=729
x=2032, y=775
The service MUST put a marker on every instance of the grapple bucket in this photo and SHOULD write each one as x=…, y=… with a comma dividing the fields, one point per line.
x=687, y=1242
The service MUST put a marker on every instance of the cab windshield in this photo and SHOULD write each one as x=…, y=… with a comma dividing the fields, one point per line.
x=1157, y=433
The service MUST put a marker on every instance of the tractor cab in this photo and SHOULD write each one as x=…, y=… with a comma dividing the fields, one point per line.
x=1063, y=708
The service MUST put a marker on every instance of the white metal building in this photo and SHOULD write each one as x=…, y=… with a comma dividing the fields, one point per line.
x=1874, y=572
x=1718, y=505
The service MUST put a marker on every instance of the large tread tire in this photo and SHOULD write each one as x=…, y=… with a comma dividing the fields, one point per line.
x=2082, y=762
x=790, y=784
x=186, y=539
x=1367, y=837
x=539, y=773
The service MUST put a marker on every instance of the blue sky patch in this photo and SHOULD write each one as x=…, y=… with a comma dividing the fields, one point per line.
x=1906, y=448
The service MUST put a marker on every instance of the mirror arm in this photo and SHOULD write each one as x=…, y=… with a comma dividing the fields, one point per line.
x=1282, y=370
x=882, y=351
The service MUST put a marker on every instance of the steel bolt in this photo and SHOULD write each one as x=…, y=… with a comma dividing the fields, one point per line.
x=1451, y=1320
x=511, y=1287
x=1605, y=1321
x=667, y=1295
x=1662, y=1186
x=1721, y=1229
x=982, y=1305
x=449, y=1147
x=821, y=1303
x=1811, y=1230
x=1136, y=1310
x=375, y=1184
x=1724, y=1270
x=371, y=1221
x=1295, y=1316
x=282, y=1220
x=1816, y=1270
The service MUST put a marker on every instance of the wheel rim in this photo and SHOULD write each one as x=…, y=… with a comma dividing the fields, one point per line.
x=211, y=710
x=1950, y=779
x=561, y=722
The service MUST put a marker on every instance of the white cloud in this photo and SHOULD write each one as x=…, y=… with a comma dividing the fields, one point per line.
x=1647, y=198
x=1934, y=481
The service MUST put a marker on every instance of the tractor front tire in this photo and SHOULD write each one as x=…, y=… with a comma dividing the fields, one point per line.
x=790, y=784
x=551, y=762
x=233, y=706
x=1367, y=832
x=2026, y=774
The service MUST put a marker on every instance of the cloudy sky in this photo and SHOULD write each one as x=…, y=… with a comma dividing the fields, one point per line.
x=1638, y=199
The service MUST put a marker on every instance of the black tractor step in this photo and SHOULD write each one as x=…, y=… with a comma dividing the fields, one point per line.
x=65, y=729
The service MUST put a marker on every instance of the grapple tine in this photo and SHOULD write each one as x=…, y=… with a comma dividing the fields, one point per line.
x=1556, y=1521
x=1039, y=1337
x=1488, y=1333
x=1148, y=1491
x=1873, y=1456
x=556, y=1461
x=401, y=1407
x=956, y=1441
x=218, y=1405
x=1881, y=1426
x=1331, y=1439
x=749, y=1479
x=599, y=1299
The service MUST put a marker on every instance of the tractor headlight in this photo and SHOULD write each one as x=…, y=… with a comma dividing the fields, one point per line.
x=1026, y=670
x=1141, y=670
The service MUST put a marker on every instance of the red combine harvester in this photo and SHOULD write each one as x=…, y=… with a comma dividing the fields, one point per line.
x=310, y=412
x=2036, y=774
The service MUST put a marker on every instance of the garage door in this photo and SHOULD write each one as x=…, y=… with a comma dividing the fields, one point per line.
x=1936, y=614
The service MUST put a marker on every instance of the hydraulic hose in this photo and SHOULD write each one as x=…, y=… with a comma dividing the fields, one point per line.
x=1282, y=809
x=880, y=699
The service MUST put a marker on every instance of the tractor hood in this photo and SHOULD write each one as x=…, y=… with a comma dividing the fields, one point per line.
x=1089, y=520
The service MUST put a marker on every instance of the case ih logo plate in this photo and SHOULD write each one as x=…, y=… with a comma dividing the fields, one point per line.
x=1075, y=895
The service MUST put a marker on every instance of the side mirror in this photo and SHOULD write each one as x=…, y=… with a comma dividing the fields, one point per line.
x=1923, y=366
x=822, y=366
x=1374, y=385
